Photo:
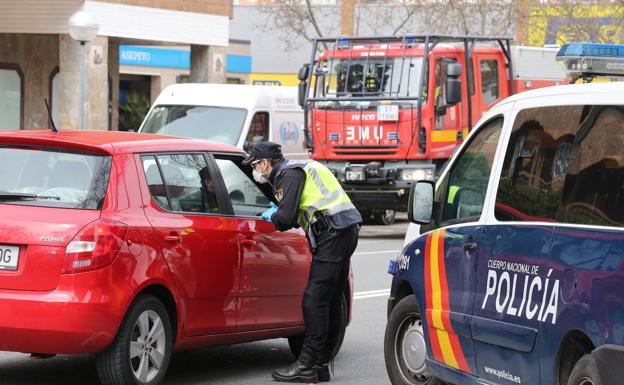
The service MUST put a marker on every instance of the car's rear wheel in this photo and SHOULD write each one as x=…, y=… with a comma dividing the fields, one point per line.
x=585, y=372
x=296, y=342
x=140, y=353
x=405, y=346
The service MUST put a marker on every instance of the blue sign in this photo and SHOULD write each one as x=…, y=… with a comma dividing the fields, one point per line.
x=239, y=63
x=154, y=57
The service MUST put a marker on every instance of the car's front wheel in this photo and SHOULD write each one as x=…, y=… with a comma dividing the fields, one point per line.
x=140, y=353
x=405, y=346
x=585, y=372
x=296, y=342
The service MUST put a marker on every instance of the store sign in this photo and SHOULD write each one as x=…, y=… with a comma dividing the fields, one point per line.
x=154, y=57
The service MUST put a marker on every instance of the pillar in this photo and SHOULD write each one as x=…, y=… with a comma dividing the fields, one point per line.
x=207, y=64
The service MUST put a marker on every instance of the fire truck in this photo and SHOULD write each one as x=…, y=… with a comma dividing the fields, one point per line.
x=384, y=112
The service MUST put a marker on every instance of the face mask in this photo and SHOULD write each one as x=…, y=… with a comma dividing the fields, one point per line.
x=259, y=177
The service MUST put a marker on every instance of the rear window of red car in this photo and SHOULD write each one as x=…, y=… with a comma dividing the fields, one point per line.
x=53, y=178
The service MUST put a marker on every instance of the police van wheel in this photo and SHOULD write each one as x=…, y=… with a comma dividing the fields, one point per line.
x=385, y=217
x=405, y=347
x=585, y=372
x=141, y=350
x=296, y=342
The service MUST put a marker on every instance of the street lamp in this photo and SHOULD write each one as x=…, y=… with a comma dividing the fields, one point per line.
x=83, y=27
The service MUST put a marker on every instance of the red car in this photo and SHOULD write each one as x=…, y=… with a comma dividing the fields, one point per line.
x=131, y=245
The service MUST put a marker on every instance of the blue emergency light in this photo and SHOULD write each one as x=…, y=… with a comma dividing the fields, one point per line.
x=591, y=60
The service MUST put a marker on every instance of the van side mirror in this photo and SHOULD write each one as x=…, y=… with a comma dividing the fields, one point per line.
x=420, y=204
x=304, y=71
x=301, y=90
x=453, y=84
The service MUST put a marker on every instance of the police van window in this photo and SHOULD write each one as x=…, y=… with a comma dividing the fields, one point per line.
x=462, y=193
x=246, y=197
x=188, y=185
x=258, y=130
x=565, y=164
x=489, y=81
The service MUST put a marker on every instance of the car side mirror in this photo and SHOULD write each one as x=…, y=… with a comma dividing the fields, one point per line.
x=453, y=84
x=304, y=71
x=301, y=93
x=420, y=204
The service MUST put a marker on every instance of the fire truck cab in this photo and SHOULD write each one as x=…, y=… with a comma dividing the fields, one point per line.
x=382, y=113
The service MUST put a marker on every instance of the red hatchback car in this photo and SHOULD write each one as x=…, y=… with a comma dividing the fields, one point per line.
x=130, y=246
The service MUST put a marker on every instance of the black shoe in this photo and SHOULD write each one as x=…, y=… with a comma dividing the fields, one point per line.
x=322, y=373
x=303, y=370
x=324, y=363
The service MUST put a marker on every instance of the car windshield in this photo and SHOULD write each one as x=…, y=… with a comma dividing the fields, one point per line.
x=42, y=177
x=369, y=78
x=219, y=124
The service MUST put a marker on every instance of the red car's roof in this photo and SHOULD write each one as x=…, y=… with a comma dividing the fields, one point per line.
x=111, y=142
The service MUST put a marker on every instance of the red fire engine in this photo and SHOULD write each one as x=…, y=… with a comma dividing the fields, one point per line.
x=383, y=112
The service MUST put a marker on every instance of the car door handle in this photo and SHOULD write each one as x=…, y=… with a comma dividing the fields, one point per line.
x=248, y=242
x=470, y=246
x=173, y=239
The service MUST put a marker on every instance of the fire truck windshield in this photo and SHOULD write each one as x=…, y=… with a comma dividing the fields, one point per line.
x=369, y=79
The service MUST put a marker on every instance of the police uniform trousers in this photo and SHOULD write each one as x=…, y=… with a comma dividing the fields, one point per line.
x=327, y=281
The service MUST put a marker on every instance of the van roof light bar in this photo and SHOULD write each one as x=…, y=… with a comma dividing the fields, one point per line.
x=588, y=60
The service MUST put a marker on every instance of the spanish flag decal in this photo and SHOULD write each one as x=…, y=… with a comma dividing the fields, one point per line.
x=443, y=340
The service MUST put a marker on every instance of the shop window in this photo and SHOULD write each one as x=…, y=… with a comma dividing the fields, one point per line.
x=11, y=97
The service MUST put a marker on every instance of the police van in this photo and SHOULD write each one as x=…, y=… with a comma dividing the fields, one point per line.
x=517, y=273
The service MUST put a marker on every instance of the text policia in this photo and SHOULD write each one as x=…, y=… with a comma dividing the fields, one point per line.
x=517, y=289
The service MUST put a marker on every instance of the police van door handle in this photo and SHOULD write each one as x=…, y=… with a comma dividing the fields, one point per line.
x=470, y=246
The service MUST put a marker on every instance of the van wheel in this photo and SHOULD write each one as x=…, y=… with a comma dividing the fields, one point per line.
x=385, y=217
x=405, y=347
x=140, y=353
x=585, y=372
x=296, y=342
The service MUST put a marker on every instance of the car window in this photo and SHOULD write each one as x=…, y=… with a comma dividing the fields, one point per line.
x=564, y=164
x=489, y=81
x=42, y=177
x=462, y=192
x=246, y=197
x=258, y=130
x=181, y=183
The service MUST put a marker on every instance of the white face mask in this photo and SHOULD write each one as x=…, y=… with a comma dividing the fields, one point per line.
x=259, y=177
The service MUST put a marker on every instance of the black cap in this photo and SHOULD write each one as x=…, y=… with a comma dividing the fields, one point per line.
x=263, y=150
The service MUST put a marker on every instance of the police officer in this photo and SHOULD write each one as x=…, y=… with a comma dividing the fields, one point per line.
x=310, y=197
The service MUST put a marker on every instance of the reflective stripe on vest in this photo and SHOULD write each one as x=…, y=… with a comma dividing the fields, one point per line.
x=321, y=192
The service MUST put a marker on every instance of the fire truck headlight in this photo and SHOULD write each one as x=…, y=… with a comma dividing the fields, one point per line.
x=415, y=174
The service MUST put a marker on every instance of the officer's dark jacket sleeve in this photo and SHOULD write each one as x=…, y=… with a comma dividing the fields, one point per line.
x=291, y=182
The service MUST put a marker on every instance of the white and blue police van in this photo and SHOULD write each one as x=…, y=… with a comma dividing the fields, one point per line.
x=517, y=273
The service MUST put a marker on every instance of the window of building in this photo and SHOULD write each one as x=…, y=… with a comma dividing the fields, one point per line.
x=565, y=164
x=11, y=97
x=489, y=81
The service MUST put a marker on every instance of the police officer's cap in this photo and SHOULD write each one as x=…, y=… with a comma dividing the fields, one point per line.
x=263, y=150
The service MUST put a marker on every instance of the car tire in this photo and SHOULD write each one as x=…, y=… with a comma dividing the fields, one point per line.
x=152, y=353
x=296, y=342
x=585, y=372
x=405, y=346
x=385, y=217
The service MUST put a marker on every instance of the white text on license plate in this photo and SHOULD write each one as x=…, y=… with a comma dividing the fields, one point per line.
x=9, y=255
x=388, y=112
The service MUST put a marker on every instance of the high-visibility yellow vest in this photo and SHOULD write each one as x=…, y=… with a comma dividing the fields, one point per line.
x=321, y=193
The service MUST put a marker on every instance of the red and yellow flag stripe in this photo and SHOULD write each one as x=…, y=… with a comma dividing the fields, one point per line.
x=443, y=340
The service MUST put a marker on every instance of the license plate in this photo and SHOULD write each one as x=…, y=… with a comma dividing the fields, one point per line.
x=9, y=255
x=355, y=175
x=388, y=112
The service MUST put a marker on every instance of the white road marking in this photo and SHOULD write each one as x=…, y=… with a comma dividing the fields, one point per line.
x=376, y=252
x=371, y=294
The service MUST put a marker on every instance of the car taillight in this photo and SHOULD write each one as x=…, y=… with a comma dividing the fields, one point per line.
x=94, y=247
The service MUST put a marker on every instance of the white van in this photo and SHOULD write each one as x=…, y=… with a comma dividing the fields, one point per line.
x=239, y=115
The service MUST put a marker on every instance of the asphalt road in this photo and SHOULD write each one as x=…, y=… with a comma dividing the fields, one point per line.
x=359, y=362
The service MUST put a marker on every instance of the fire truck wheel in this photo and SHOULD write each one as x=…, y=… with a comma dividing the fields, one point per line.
x=585, y=372
x=385, y=217
x=405, y=346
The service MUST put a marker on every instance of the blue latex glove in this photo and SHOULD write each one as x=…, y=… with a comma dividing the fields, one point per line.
x=269, y=213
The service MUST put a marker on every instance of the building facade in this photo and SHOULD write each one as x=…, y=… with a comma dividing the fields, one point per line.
x=39, y=60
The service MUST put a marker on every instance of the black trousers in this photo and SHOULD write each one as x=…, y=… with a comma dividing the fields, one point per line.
x=328, y=279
